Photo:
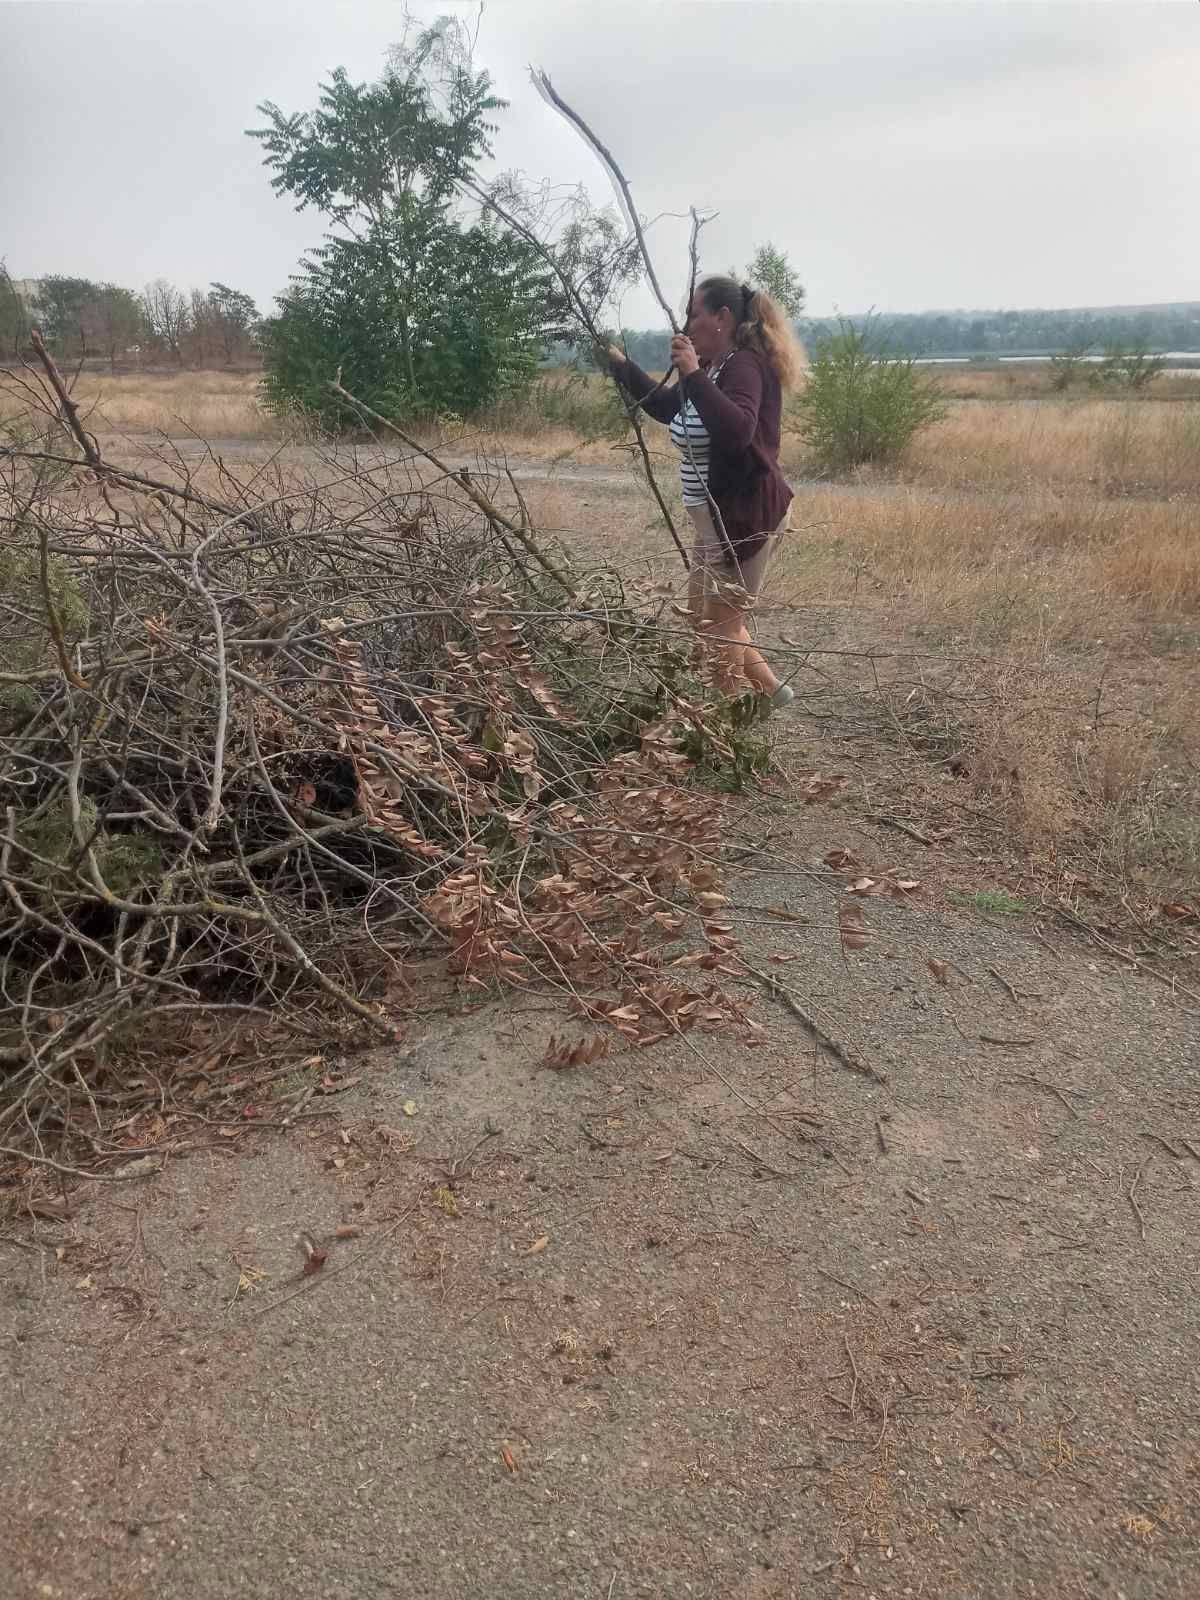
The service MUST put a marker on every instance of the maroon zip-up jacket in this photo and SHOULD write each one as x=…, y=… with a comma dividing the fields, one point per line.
x=743, y=412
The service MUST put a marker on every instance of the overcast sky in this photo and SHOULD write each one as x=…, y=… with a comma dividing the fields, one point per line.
x=907, y=156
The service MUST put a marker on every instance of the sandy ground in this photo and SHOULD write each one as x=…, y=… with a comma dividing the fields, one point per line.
x=725, y=1318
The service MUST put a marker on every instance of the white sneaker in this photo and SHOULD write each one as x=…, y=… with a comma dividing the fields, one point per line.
x=783, y=696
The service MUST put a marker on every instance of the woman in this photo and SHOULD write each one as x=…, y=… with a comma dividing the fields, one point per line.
x=735, y=358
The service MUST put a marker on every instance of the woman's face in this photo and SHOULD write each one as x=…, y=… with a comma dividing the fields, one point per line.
x=709, y=332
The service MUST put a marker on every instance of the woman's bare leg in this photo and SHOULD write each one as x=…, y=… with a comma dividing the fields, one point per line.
x=757, y=671
x=738, y=661
x=752, y=571
x=718, y=617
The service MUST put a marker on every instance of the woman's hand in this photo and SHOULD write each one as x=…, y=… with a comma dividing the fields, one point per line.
x=616, y=356
x=683, y=356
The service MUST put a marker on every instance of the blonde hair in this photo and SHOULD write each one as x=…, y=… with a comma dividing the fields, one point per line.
x=760, y=323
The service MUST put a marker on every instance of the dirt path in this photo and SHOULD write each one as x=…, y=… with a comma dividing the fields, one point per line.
x=711, y=1320
x=526, y=468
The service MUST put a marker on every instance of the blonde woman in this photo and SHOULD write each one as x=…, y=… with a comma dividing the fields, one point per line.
x=735, y=358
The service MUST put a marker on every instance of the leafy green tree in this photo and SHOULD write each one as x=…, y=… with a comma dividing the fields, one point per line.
x=113, y=321
x=223, y=325
x=62, y=306
x=79, y=317
x=861, y=403
x=476, y=340
x=423, y=312
x=771, y=270
x=236, y=318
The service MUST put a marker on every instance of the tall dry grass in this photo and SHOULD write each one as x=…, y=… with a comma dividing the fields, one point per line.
x=212, y=405
x=1032, y=381
x=1115, y=446
x=1002, y=569
x=1062, y=674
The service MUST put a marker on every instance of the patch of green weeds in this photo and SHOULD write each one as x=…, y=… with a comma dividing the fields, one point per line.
x=996, y=902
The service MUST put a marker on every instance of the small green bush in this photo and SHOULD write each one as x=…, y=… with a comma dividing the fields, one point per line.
x=861, y=403
x=576, y=401
x=1127, y=367
x=1070, y=366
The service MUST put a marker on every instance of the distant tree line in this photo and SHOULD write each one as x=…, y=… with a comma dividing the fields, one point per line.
x=982, y=333
x=976, y=333
x=80, y=318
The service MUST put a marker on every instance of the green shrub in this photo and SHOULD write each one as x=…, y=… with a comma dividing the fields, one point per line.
x=580, y=402
x=1127, y=367
x=471, y=350
x=861, y=403
x=1070, y=366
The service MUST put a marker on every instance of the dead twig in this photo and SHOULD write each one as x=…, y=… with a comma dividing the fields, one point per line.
x=883, y=1424
x=846, y=1054
x=765, y=1166
x=1132, y=1198
x=318, y=1280
x=67, y=407
x=487, y=198
x=463, y=478
x=1171, y=982
x=861, y=1294
x=1050, y=1088
x=1176, y=1155
x=1014, y=994
x=902, y=827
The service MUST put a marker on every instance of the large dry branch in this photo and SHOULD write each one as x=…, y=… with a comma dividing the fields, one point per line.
x=548, y=93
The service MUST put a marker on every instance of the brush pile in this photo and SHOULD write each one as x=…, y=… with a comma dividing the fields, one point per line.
x=273, y=747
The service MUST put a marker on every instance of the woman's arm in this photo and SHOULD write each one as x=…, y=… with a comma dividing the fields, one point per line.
x=661, y=406
x=730, y=413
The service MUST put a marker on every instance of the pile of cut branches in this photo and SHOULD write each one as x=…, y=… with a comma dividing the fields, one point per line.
x=268, y=743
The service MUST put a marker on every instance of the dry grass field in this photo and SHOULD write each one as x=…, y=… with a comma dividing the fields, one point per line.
x=210, y=405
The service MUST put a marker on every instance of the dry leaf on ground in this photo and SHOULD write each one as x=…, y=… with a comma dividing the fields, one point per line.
x=853, y=929
x=562, y=1052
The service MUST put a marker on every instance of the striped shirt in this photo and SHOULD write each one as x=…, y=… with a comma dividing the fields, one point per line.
x=688, y=428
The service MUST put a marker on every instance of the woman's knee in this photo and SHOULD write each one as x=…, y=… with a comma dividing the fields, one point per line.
x=726, y=622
